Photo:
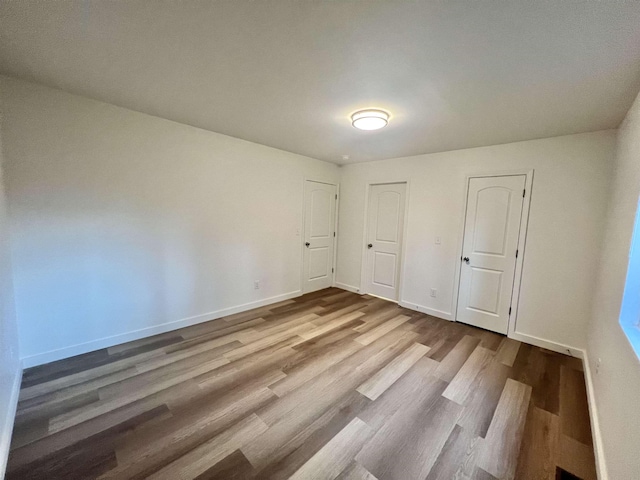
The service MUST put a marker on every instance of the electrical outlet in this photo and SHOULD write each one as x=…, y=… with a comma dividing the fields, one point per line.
x=437, y=240
x=434, y=292
x=598, y=364
x=256, y=285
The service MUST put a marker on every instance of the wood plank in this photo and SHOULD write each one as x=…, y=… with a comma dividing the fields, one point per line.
x=93, y=410
x=374, y=319
x=540, y=446
x=210, y=349
x=98, y=428
x=308, y=370
x=408, y=445
x=202, y=458
x=574, y=410
x=499, y=450
x=336, y=455
x=483, y=398
x=450, y=365
x=457, y=460
x=291, y=441
x=267, y=341
x=576, y=458
x=381, y=330
x=507, y=351
x=376, y=385
x=417, y=380
x=85, y=375
x=540, y=369
x=348, y=308
x=333, y=324
x=355, y=471
x=169, y=441
x=232, y=467
x=461, y=385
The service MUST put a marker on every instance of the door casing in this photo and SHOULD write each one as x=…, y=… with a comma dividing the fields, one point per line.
x=522, y=241
x=365, y=266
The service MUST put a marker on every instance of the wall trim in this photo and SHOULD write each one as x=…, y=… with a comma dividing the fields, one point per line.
x=105, y=342
x=548, y=344
x=348, y=288
x=601, y=466
x=5, y=434
x=429, y=311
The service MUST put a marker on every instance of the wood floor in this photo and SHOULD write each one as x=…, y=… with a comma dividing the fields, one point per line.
x=329, y=385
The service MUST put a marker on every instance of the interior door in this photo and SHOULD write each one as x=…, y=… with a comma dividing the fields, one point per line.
x=384, y=239
x=491, y=232
x=319, y=234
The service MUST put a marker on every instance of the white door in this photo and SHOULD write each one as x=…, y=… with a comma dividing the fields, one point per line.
x=491, y=232
x=384, y=239
x=319, y=233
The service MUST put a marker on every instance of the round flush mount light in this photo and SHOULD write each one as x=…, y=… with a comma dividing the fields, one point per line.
x=370, y=119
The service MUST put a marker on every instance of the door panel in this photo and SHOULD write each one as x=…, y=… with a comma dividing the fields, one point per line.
x=388, y=217
x=491, y=233
x=384, y=269
x=492, y=216
x=319, y=228
x=384, y=234
x=485, y=290
x=318, y=261
x=321, y=213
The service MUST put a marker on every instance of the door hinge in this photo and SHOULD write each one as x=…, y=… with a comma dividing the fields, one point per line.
x=509, y=311
x=336, y=196
x=332, y=270
x=523, y=192
x=334, y=234
x=516, y=253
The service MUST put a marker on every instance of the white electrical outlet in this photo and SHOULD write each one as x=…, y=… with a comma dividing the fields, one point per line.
x=256, y=285
x=437, y=241
x=434, y=292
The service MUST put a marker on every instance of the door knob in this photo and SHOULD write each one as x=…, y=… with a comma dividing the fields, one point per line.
x=466, y=260
x=370, y=245
x=307, y=244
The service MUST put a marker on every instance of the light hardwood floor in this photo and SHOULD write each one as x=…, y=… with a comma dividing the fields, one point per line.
x=329, y=385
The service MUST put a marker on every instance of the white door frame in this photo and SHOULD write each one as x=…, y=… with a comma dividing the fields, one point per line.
x=335, y=229
x=364, y=264
x=522, y=241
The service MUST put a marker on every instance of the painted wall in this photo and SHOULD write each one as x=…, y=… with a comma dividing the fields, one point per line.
x=568, y=202
x=617, y=385
x=123, y=222
x=10, y=372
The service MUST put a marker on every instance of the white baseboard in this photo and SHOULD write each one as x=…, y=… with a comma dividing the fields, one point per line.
x=548, y=344
x=348, y=288
x=429, y=311
x=601, y=466
x=7, y=425
x=105, y=342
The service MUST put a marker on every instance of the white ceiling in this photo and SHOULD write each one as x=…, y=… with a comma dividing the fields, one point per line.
x=286, y=73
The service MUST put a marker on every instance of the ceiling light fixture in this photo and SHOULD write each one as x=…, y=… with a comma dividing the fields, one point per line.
x=370, y=119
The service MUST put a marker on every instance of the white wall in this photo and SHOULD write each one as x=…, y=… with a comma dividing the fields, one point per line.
x=617, y=385
x=565, y=224
x=123, y=222
x=10, y=370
